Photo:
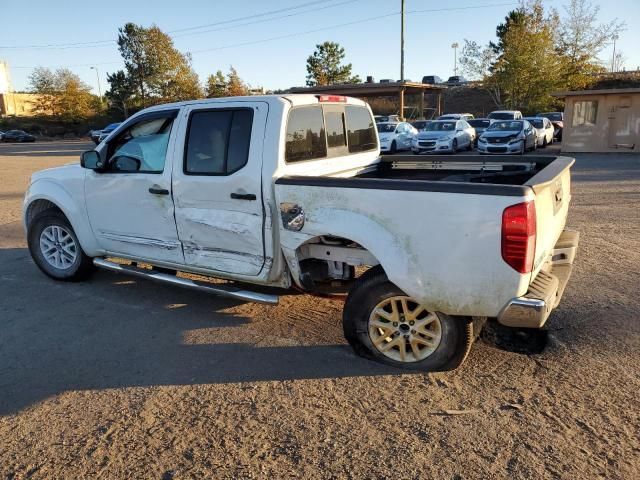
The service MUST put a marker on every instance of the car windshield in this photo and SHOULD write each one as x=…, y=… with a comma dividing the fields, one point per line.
x=513, y=126
x=479, y=123
x=536, y=122
x=387, y=127
x=441, y=126
x=552, y=116
x=501, y=116
x=110, y=127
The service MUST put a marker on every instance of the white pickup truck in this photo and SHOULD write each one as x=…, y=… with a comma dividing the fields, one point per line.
x=289, y=191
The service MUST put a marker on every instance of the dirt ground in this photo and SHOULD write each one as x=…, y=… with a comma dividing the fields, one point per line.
x=122, y=378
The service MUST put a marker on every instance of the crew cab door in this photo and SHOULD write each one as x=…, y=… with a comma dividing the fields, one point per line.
x=129, y=202
x=217, y=187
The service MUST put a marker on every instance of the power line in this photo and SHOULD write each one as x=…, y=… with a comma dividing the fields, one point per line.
x=63, y=46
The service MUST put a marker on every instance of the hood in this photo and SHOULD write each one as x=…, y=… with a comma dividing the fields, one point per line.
x=496, y=134
x=431, y=135
x=63, y=172
x=386, y=136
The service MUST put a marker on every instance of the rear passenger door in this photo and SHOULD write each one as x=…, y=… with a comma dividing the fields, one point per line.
x=217, y=187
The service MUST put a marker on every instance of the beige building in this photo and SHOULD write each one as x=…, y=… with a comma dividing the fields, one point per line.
x=17, y=104
x=601, y=120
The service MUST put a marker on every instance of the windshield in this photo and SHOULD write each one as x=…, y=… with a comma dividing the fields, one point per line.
x=479, y=123
x=501, y=116
x=513, y=126
x=552, y=116
x=387, y=127
x=441, y=126
x=536, y=122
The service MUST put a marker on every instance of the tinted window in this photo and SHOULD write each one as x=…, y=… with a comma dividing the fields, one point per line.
x=501, y=116
x=336, y=135
x=142, y=147
x=218, y=141
x=305, y=138
x=479, y=123
x=361, y=131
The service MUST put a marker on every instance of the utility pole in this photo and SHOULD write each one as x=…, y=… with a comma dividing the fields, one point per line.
x=402, y=59
x=613, y=58
x=98, y=78
x=455, y=57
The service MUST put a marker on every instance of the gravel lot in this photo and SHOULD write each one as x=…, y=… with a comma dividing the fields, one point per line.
x=122, y=378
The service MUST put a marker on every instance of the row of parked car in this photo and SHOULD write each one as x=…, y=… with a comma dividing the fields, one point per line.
x=502, y=132
x=16, y=136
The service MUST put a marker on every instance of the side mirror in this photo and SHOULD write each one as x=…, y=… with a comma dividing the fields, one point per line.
x=91, y=160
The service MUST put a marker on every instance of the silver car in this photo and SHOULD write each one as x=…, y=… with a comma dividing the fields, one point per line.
x=508, y=137
x=444, y=136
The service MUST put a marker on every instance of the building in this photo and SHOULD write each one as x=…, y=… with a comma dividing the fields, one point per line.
x=601, y=120
x=5, y=80
x=13, y=103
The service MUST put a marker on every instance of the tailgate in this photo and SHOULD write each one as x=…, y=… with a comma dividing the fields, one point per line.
x=552, y=188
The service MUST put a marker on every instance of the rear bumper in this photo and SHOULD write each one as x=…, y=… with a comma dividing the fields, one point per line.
x=545, y=292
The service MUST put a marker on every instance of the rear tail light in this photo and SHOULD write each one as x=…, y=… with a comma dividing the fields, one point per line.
x=519, y=236
x=332, y=98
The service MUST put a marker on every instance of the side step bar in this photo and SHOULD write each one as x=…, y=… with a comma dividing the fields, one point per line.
x=237, y=294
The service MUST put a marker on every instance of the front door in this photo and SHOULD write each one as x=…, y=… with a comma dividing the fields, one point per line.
x=217, y=187
x=130, y=204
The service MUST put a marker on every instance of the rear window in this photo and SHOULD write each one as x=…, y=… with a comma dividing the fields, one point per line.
x=361, y=130
x=501, y=116
x=305, y=135
x=479, y=123
x=336, y=135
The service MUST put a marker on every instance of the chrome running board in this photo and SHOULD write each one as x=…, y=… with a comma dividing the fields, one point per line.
x=237, y=294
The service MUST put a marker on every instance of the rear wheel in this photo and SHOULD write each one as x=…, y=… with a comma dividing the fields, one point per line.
x=544, y=142
x=55, y=248
x=383, y=323
x=394, y=147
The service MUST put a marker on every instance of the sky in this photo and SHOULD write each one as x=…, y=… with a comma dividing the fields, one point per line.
x=269, y=49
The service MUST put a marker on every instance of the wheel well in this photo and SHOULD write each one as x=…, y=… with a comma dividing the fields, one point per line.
x=38, y=206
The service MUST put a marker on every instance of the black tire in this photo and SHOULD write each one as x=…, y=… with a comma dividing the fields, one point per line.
x=394, y=147
x=373, y=287
x=524, y=147
x=81, y=267
x=454, y=145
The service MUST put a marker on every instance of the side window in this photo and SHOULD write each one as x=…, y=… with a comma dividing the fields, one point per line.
x=305, y=138
x=336, y=134
x=361, y=133
x=217, y=141
x=141, y=148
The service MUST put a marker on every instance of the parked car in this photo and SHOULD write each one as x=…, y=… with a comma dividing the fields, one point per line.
x=387, y=118
x=1, y=135
x=106, y=131
x=456, y=80
x=508, y=137
x=505, y=115
x=479, y=125
x=420, y=125
x=304, y=212
x=431, y=79
x=456, y=116
x=444, y=136
x=557, y=120
x=395, y=136
x=18, y=136
x=544, y=130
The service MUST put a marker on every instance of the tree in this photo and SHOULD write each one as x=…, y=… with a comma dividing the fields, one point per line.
x=160, y=72
x=477, y=63
x=235, y=86
x=61, y=93
x=216, y=85
x=325, y=67
x=581, y=39
x=121, y=91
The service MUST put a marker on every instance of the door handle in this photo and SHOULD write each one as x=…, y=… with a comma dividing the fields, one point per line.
x=158, y=191
x=243, y=196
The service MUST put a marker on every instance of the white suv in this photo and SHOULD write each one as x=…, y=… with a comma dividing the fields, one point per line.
x=505, y=115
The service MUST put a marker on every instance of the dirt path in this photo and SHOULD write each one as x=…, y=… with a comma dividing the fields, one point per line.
x=120, y=378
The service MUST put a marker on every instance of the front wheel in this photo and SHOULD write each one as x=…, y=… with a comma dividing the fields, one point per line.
x=394, y=147
x=454, y=145
x=55, y=248
x=383, y=323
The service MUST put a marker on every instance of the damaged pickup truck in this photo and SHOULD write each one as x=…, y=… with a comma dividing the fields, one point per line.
x=290, y=192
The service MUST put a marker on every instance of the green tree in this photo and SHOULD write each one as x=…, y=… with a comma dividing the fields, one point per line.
x=121, y=91
x=216, y=85
x=43, y=82
x=160, y=72
x=325, y=66
x=235, y=86
x=61, y=93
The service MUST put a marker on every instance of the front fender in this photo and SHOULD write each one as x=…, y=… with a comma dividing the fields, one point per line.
x=70, y=203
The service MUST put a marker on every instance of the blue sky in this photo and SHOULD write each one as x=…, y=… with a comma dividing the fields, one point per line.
x=266, y=50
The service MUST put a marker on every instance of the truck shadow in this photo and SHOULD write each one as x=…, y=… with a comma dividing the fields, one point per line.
x=114, y=332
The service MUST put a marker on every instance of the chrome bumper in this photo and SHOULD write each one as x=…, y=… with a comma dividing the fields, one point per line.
x=545, y=292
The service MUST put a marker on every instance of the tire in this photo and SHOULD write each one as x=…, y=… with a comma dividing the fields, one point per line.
x=373, y=289
x=523, y=149
x=68, y=261
x=454, y=145
x=394, y=147
x=544, y=142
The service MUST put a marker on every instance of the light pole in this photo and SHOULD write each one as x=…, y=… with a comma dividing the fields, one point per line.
x=613, y=58
x=455, y=57
x=98, y=78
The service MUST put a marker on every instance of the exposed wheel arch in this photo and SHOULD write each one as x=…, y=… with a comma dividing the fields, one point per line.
x=38, y=206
